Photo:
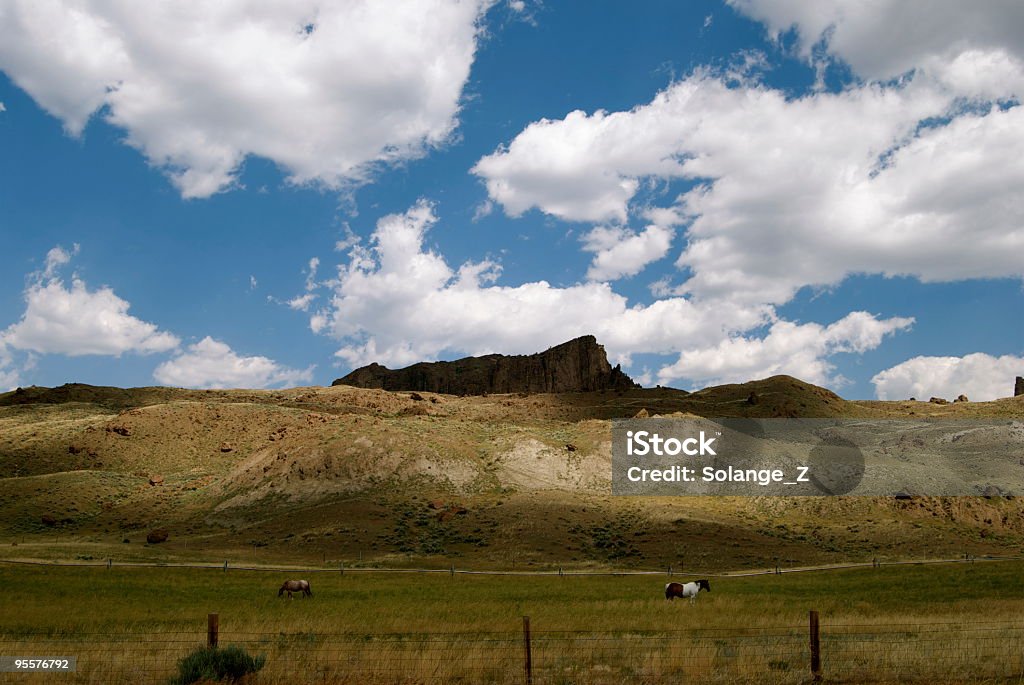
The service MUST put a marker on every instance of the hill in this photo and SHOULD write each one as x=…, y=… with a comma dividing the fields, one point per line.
x=422, y=478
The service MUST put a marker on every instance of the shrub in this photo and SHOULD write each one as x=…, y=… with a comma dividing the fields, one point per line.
x=211, y=663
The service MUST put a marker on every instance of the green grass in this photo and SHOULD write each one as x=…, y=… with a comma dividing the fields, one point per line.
x=55, y=599
x=378, y=627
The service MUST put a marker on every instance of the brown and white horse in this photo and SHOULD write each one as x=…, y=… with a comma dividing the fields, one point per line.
x=291, y=586
x=689, y=590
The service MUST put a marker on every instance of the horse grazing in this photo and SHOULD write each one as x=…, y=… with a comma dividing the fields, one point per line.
x=673, y=590
x=291, y=586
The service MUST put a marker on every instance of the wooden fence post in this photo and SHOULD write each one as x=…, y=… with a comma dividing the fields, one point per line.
x=528, y=664
x=212, y=630
x=109, y=562
x=815, y=648
x=225, y=565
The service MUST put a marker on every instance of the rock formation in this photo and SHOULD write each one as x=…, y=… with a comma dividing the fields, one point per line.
x=579, y=365
x=1018, y=387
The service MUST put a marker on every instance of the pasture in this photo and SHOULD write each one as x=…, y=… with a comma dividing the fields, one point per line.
x=944, y=623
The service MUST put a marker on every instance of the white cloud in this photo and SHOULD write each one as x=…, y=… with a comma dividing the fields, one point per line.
x=980, y=376
x=212, y=364
x=75, y=321
x=56, y=258
x=397, y=303
x=482, y=210
x=886, y=38
x=9, y=376
x=326, y=90
x=302, y=302
x=792, y=192
x=621, y=252
x=800, y=350
x=350, y=239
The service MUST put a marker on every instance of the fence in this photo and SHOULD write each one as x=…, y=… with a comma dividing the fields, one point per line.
x=925, y=652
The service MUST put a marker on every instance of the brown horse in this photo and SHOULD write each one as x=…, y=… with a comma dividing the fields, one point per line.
x=291, y=586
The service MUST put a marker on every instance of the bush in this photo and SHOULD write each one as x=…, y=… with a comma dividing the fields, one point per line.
x=211, y=663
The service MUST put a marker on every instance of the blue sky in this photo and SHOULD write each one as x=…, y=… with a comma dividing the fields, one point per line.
x=261, y=195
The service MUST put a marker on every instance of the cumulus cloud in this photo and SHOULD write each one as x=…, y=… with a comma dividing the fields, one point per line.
x=325, y=90
x=792, y=192
x=979, y=376
x=621, y=252
x=887, y=38
x=74, y=321
x=800, y=350
x=396, y=303
x=213, y=364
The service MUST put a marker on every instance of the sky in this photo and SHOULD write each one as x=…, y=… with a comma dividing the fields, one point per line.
x=267, y=194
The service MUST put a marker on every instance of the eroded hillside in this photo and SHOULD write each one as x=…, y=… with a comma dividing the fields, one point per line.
x=344, y=473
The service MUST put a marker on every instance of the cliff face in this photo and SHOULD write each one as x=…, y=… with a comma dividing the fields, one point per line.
x=1018, y=387
x=579, y=365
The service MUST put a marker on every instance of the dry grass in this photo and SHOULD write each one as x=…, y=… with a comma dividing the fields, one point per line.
x=946, y=624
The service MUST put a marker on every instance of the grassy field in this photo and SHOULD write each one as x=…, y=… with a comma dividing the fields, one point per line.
x=948, y=623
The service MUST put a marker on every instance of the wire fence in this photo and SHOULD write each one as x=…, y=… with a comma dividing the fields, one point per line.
x=948, y=652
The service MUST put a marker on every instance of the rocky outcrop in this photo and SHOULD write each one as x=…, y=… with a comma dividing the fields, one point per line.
x=1018, y=387
x=579, y=365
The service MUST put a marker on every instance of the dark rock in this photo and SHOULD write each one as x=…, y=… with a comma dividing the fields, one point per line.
x=75, y=449
x=939, y=400
x=579, y=365
x=1018, y=387
x=752, y=398
x=961, y=398
x=416, y=396
x=155, y=537
x=570, y=447
x=48, y=520
x=226, y=447
x=120, y=429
